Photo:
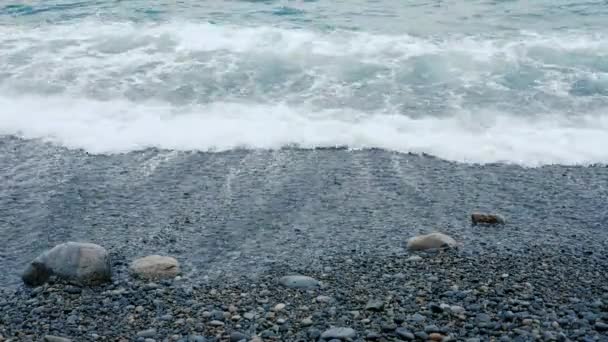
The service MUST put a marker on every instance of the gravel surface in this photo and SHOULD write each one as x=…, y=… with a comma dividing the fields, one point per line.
x=543, y=294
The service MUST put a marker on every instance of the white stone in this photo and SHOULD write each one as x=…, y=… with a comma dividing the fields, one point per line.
x=155, y=267
x=431, y=241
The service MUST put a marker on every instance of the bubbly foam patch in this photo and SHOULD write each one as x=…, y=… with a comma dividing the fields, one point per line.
x=113, y=87
x=122, y=126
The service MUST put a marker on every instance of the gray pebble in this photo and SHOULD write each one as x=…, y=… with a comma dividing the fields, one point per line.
x=237, y=337
x=215, y=323
x=374, y=305
x=422, y=335
x=601, y=326
x=51, y=338
x=405, y=334
x=339, y=333
x=314, y=333
x=372, y=336
x=306, y=322
x=418, y=318
x=147, y=333
x=431, y=329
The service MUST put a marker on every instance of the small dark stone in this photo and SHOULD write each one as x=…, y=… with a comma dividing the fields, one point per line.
x=217, y=315
x=389, y=327
x=238, y=336
x=373, y=336
x=435, y=308
x=72, y=289
x=431, y=329
x=601, y=326
x=268, y=334
x=313, y=333
x=399, y=319
x=487, y=219
x=507, y=315
x=421, y=335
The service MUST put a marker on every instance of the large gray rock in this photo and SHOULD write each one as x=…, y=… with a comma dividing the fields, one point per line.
x=155, y=267
x=75, y=262
x=299, y=282
x=430, y=241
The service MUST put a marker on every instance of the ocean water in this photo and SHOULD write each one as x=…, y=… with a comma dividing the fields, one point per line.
x=522, y=82
x=238, y=135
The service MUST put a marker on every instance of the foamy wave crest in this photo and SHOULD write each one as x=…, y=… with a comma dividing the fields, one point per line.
x=122, y=126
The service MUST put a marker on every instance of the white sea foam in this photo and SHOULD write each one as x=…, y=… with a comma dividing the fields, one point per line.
x=110, y=87
x=121, y=126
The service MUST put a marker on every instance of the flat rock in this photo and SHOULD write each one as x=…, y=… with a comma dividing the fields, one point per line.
x=374, y=305
x=237, y=337
x=405, y=334
x=299, y=282
x=51, y=338
x=601, y=326
x=323, y=299
x=306, y=322
x=147, y=333
x=487, y=219
x=431, y=241
x=339, y=333
x=75, y=262
x=155, y=267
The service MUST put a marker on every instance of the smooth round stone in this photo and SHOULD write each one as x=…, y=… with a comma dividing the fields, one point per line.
x=237, y=337
x=339, y=333
x=323, y=299
x=51, y=338
x=306, y=322
x=216, y=323
x=431, y=241
x=314, y=333
x=601, y=326
x=299, y=282
x=418, y=318
x=422, y=335
x=147, y=333
x=155, y=267
x=372, y=336
x=405, y=334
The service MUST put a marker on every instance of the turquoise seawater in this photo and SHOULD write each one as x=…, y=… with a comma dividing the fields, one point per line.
x=471, y=81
